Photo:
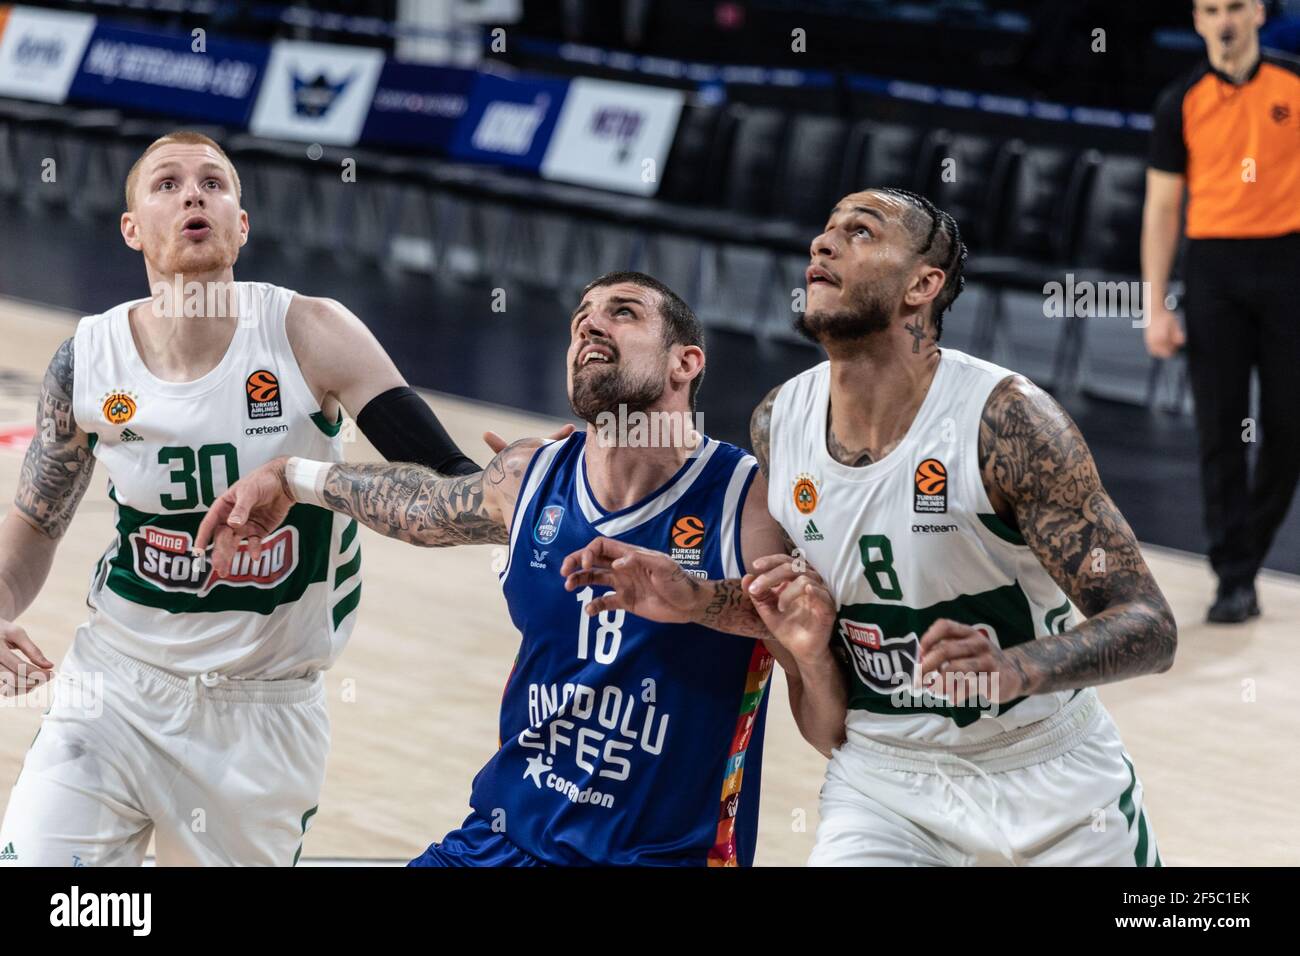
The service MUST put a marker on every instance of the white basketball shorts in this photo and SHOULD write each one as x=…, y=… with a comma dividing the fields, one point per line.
x=220, y=772
x=1062, y=792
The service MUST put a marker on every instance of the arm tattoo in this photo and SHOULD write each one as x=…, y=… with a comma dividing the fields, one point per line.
x=760, y=430
x=57, y=467
x=731, y=610
x=419, y=506
x=1034, y=459
x=760, y=436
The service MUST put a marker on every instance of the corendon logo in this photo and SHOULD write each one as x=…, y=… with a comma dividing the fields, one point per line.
x=166, y=559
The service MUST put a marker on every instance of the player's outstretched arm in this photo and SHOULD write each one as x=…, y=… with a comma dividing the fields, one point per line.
x=408, y=502
x=1037, y=466
x=55, y=474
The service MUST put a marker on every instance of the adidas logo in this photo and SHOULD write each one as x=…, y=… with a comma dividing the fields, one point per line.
x=8, y=853
x=811, y=533
x=128, y=435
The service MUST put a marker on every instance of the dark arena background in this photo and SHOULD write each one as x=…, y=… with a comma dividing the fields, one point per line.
x=456, y=171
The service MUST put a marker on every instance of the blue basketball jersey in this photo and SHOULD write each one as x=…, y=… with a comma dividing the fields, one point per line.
x=624, y=741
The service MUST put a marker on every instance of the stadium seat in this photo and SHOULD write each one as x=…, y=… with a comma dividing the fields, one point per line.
x=1110, y=355
x=888, y=154
x=967, y=177
x=693, y=169
x=812, y=170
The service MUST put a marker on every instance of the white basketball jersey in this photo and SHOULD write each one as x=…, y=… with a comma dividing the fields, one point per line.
x=906, y=541
x=170, y=449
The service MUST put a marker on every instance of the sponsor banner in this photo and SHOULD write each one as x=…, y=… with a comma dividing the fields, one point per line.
x=509, y=121
x=316, y=92
x=418, y=105
x=40, y=51
x=164, y=73
x=613, y=136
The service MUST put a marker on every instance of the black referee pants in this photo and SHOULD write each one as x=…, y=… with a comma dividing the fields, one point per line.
x=1243, y=312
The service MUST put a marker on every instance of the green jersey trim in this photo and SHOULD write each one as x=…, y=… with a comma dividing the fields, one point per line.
x=346, y=571
x=305, y=817
x=1002, y=529
x=346, y=606
x=1054, y=620
x=331, y=429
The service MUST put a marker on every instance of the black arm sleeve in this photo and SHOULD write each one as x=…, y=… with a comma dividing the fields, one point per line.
x=1168, y=144
x=403, y=428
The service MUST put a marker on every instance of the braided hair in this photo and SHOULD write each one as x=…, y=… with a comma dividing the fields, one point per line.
x=941, y=246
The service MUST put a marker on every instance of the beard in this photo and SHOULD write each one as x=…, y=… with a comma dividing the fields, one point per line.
x=865, y=314
x=604, y=389
x=183, y=257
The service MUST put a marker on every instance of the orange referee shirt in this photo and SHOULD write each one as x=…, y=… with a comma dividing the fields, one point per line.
x=1238, y=146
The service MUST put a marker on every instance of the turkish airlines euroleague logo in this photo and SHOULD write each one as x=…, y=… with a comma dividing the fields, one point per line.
x=931, y=487
x=687, y=537
x=263, y=390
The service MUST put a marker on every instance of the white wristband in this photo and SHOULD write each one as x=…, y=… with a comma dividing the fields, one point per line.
x=306, y=480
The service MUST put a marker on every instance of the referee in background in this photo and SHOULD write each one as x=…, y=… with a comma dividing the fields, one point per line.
x=1229, y=134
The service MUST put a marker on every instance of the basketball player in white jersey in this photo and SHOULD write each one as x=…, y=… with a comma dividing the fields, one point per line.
x=957, y=520
x=190, y=707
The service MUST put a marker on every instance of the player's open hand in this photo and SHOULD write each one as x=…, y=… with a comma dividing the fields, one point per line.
x=22, y=665
x=249, y=510
x=646, y=583
x=965, y=665
x=794, y=603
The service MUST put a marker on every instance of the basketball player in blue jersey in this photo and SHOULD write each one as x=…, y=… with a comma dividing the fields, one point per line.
x=624, y=741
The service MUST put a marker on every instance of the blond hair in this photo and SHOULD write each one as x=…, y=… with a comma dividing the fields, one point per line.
x=184, y=137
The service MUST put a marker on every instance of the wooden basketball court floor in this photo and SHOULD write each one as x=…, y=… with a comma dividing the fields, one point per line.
x=414, y=697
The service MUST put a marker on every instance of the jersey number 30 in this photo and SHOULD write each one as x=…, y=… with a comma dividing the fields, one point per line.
x=185, y=464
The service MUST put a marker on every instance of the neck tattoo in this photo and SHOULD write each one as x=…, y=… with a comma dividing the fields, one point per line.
x=918, y=334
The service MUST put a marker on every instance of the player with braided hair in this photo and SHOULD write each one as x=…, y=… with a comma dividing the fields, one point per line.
x=983, y=581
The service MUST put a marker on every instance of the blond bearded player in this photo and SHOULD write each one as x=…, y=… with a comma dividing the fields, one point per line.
x=957, y=518
x=186, y=694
